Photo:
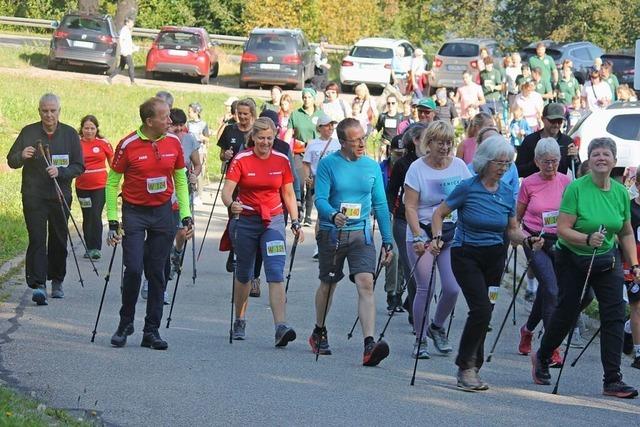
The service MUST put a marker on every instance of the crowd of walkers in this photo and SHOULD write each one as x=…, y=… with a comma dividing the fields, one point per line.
x=458, y=210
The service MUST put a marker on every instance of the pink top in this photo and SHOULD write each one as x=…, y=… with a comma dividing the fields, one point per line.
x=468, y=96
x=469, y=147
x=542, y=198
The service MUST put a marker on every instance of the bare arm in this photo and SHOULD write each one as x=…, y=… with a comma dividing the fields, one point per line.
x=628, y=243
x=290, y=202
x=411, y=198
x=520, y=210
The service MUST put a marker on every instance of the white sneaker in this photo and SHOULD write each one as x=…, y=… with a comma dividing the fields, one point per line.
x=315, y=254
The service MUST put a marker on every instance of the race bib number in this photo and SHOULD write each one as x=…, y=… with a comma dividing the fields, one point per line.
x=550, y=219
x=60, y=160
x=493, y=293
x=351, y=210
x=85, y=202
x=157, y=185
x=390, y=123
x=276, y=248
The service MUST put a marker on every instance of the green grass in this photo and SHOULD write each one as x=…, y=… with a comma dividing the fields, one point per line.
x=17, y=410
x=115, y=106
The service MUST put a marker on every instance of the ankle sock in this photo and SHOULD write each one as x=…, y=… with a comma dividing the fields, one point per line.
x=368, y=340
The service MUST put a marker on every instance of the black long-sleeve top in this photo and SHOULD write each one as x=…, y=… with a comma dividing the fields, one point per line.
x=395, y=187
x=526, y=154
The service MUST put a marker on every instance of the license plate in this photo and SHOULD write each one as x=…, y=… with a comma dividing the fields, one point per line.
x=269, y=66
x=457, y=67
x=174, y=52
x=87, y=45
x=369, y=66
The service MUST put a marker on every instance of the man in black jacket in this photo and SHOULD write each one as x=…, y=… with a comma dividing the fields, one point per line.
x=552, y=118
x=41, y=206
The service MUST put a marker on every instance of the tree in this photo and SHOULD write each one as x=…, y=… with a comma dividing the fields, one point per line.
x=125, y=9
x=88, y=6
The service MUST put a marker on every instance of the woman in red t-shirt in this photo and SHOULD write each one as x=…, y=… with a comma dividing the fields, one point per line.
x=90, y=185
x=264, y=181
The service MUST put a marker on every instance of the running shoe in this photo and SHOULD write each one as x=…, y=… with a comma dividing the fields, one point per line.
x=627, y=347
x=56, y=290
x=397, y=302
x=440, y=340
x=307, y=222
x=556, y=359
x=374, y=353
x=39, y=296
x=619, y=389
x=119, y=338
x=540, y=370
x=424, y=353
x=636, y=362
x=87, y=254
x=319, y=342
x=468, y=380
x=255, y=288
x=153, y=341
x=526, y=337
x=238, y=329
x=284, y=335
x=483, y=385
x=529, y=296
x=95, y=254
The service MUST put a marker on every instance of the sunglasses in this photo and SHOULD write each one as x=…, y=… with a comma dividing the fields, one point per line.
x=556, y=121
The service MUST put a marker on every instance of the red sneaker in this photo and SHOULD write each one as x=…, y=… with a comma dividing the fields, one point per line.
x=556, y=359
x=374, y=353
x=524, y=347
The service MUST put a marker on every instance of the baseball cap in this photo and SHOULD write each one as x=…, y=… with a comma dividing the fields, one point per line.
x=324, y=120
x=427, y=103
x=553, y=111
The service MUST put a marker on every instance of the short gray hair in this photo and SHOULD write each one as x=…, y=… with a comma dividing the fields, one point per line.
x=547, y=147
x=604, y=142
x=49, y=97
x=492, y=148
x=166, y=97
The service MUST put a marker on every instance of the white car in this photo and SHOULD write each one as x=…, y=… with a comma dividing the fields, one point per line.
x=621, y=122
x=369, y=62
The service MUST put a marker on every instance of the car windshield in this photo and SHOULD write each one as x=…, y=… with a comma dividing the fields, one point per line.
x=273, y=43
x=178, y=40
x=620, y=63
x=85, y=23
x=459, y=50
x=372, y=52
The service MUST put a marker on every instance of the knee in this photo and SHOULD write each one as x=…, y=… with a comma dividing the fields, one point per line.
x=482, y=313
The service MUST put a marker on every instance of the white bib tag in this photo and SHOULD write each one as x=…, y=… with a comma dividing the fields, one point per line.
x=493, y=294
x=157, y=185
x=85, y=202
x=550, y=219
x=390, y=123
x=276, y=248
x=60, y=160
x=351, y=210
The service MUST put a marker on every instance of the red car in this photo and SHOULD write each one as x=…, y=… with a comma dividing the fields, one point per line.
x=183, y=50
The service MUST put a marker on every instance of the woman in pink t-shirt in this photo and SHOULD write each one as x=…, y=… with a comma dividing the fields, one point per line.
x=538, y=207
x=469, y=96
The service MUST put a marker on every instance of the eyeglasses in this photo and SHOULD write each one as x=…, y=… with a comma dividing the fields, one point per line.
x=550, y=162
x=501, y=163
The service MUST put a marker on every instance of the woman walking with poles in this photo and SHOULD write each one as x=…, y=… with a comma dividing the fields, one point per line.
x=90, y=185
x=264, y=180
x=595, y=209
x=538, y=203
x=486, y=209
x=430, y=180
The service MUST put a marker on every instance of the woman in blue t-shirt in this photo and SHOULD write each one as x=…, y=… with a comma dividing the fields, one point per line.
x=486, y=209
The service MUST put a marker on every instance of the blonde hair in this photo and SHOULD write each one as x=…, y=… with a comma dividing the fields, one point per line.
x=478, y=122
x=437, y=131
x=259, y=125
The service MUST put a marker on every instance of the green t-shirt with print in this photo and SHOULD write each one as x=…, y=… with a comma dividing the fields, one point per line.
x=593, y=207
x=567, y=89
x=491, y=82
x=304, y=125
x=546, y=65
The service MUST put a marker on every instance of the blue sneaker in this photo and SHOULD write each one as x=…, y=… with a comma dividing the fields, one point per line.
x=39, y=296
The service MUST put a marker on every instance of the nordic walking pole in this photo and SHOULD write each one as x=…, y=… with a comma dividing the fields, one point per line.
x=293, y=256
x=515, y=271
x=193, y=243
x=392, y=312
x=233, y=278
x=375, y=279
x=63, y=201
x=424, y=317
x=215, y=199
x=60, y=198
x=573, y=364
x=175, y=288
x=332, y=274
x=504, y=321
x=453, y=314
x=104, y=291
x=585, y=288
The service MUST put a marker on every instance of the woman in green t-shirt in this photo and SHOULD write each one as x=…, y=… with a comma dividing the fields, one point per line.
x=588, y=203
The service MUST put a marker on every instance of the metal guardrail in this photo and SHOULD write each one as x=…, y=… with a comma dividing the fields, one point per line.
x=145, y=32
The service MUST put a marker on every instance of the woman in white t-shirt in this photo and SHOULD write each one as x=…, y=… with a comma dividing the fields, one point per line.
x=531, y=103
x=596, y=93
x=429, y=180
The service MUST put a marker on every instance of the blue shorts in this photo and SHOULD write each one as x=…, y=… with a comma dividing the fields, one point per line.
x=248, y=234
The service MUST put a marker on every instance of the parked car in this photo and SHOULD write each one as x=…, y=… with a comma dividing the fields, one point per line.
x=276, y=56
x=457, y=56
x=582, y=54
x=369, y=62
x=85, y=41
x=623, y=67
x=183, y=50
x=619, y=121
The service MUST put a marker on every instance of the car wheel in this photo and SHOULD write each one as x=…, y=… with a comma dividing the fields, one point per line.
x=214, y=71
x=243, y=85
x=300, y=84
x=149, y=75
x=204, y=79
x=345, y=88
x=52, y=64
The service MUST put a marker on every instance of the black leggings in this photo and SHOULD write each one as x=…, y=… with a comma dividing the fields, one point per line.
x=92, y=216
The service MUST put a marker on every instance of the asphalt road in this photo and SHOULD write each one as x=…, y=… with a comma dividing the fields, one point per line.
x=203, y=380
